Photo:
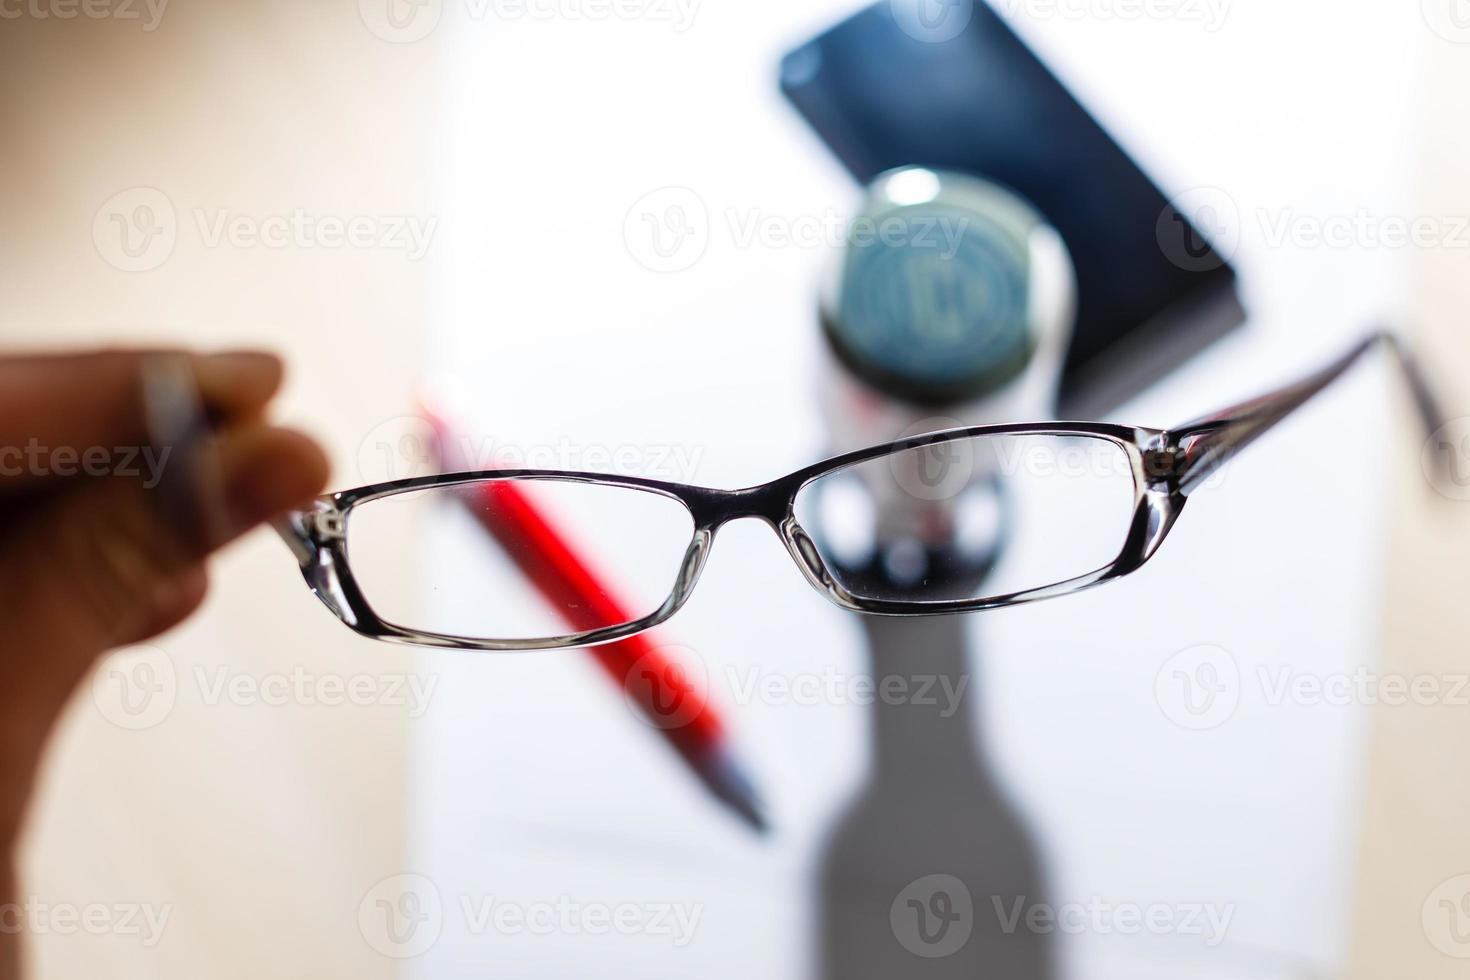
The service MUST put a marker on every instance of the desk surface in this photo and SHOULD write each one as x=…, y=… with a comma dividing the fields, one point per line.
x=534, y=782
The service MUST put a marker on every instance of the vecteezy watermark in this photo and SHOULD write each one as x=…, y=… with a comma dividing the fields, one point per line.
x=401, y=21
x=1446, y=459
x=670, y=229
x=1450, y=19
x=933, y=21
x=137, y=230
x=136, y=688
x=1445, y=917
x=1361, y=687
x=300, y=229
x=1096, y=916
x=1363, y=229
x=942, y=471
x=405, y=447
x=305, y=688
x=933, y=916
x=1202, y=686
x=564, y=915
x=134, y=920
x=1198, y=688
x=148, y=14
x=1202, y=228
x=1210, y=15
x=403, y=916
x=665, y=686
x=830, y=686
x=752, y=227
x=1199, y=230
x=667, y=230
x=408, y=21
x=36, y=459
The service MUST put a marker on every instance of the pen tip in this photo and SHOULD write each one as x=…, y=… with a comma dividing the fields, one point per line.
x=727, y=779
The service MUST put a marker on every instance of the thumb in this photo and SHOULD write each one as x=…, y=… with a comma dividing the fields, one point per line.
x=101, y=566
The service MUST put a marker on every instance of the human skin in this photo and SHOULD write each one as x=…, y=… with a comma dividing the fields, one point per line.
x=88, y=559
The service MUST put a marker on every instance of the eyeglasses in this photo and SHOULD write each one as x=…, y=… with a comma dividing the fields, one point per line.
x=945, y=522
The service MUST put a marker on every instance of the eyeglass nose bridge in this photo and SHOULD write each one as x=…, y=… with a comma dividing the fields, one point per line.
x=772, y=504
x=713, y=509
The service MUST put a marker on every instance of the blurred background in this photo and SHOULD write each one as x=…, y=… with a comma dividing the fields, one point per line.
x=464, y=201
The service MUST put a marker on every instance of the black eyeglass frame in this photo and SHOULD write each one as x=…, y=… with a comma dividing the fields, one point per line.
x=1168, y=466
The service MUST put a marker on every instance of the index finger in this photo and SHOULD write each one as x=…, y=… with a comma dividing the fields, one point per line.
x=56, y=409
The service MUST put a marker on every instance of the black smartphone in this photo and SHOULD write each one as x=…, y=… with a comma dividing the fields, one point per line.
x=1151, y=290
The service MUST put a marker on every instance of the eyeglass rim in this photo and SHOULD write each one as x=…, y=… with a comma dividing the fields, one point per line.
x=327, y=567
x=1169, y=466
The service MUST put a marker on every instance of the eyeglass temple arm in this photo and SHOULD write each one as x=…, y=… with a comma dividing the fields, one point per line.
x=1208, y=443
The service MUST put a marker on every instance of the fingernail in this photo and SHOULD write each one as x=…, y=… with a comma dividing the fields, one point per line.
x=188, y=483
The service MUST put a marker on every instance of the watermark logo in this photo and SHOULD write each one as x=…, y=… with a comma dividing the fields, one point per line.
x=932, y=21
x=408, y=21
x=1198, y=688
x=667, y=230
x=308, y=689
x=145, y=463
x=1446, y=917
x=1363, y=229
x=676, y=922
x=302, y=230
x=136, y=230
x=939, y=471
x=147, y=13
x=144, y=922
x=1209, y=14
x=1202, y=229
x=1201, y=688
x=406, y=447
x=665, y=687
x=1362, y=687
x=1101, y=917
x=1450, y=19
x=933, y=916
x=400, y=448
x=1446, y=459
x=941, y=235
x=1199, y=230
x=401, y=21
x=136, y=688
x=401, y=917
x=670, y=230
x=945, y=469
x=943, y=692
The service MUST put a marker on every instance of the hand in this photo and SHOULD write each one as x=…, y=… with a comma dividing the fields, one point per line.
x=88, y=561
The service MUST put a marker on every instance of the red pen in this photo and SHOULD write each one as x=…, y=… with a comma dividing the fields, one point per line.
x=660, y=686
